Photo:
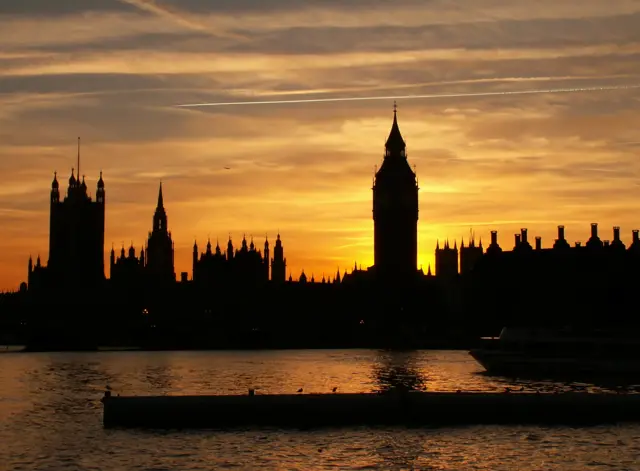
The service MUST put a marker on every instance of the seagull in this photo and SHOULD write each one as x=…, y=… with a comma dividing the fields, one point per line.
x=335, y=389
x=227, y=168
x=300, y=390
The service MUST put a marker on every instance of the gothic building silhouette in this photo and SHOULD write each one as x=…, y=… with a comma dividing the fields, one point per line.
x=244, y=266
x=76, y=236
x=155, y=264
x=395, y=211
x=565, y=282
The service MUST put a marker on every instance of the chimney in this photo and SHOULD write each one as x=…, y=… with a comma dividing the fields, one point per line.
x=616, y=233
x=607, y=243
x=494, y=237
x=636, y=239
x=594, y=230
x=517, y=240
x=538, y=243
x=523, y=232
x=560, y=232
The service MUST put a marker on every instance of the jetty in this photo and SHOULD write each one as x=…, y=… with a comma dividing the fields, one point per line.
x=368, y=409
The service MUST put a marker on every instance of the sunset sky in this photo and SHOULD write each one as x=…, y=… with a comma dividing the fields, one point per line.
x=112, y=72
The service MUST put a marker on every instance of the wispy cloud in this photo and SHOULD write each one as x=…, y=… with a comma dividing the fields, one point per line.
x=179, y=17
x=112, y=71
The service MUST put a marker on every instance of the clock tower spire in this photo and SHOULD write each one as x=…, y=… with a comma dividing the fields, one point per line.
x=395, y=210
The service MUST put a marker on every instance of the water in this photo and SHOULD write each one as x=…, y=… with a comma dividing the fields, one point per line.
x=50, y=415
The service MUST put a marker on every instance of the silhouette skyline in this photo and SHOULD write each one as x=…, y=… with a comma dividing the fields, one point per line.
x=483, y=163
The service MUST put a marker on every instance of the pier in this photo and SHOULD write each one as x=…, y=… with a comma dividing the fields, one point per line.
x=369, y=409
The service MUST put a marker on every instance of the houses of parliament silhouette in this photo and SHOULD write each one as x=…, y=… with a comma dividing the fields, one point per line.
x=241, y=296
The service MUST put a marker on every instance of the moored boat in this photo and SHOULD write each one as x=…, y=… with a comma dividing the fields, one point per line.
x=562, y=353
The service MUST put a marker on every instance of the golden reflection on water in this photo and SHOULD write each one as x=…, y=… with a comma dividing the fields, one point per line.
x=50, y=414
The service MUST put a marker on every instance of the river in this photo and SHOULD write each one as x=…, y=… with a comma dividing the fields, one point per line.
x=50, y=415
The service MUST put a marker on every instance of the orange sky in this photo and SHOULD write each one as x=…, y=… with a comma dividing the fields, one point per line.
x=111, y=72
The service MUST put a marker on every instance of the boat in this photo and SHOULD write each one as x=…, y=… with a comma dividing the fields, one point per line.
x=562, y=352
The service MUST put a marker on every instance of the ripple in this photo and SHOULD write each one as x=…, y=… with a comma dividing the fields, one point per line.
x=50, y=415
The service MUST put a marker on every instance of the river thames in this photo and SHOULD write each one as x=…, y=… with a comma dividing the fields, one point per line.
x=50, y=415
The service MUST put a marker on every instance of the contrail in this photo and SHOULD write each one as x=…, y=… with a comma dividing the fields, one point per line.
x=178, y=17
x=415, y=97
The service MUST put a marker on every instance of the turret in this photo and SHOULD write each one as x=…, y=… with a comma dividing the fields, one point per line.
x=635, y=241
x=229, y=248
x=594, y=242
x=244, y=247
x=55, y=189
x=538, y=243
x=517, y=241
x=561, y=242
x=160, y=215
x=112, y=261
x=278, y=262
x=523, y=236
x=266, y=257
x=494, y=248
x=194, y=260
x=100, y=195
x=617, y=242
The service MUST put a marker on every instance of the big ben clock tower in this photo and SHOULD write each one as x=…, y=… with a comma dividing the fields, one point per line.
x=395, y=211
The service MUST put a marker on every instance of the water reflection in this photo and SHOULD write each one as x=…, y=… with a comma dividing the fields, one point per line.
x=159, y=377
x=398, y=370
x=53, y=415
x=559, y=384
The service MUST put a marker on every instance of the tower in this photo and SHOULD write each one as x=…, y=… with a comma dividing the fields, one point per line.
x=278, y=262
x=76, y=232
x=266, y=257
x=159, y=254
x=395, y=210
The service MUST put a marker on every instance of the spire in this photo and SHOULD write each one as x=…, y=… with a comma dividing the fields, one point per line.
x=54, y=183
x=78, y=157
x=100, y=181
x=160, y=199
x=395, y=144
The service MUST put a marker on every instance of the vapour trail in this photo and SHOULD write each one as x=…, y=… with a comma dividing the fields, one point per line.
x=415, y=97
x=150, y=6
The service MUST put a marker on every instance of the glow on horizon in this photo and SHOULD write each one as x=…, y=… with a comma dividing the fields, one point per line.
x=514, y=128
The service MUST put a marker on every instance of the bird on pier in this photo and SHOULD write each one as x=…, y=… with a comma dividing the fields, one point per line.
x=507, y=390
x=335, y=389
x=300, y=390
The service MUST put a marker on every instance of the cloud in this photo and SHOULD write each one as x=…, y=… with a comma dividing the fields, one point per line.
x=112, y=72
